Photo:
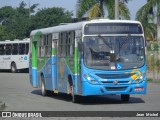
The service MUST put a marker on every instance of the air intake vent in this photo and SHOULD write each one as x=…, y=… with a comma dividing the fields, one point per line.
x=114, y=76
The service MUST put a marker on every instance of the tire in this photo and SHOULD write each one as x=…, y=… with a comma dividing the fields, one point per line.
x=13, y=68
x=75, y=98
x=125, y=97
x=43, y=88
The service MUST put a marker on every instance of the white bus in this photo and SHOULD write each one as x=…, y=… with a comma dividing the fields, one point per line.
x=14, y=55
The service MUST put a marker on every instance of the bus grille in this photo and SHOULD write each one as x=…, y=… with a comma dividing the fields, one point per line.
x=119, y=82
x=116, y=88
x=114, y=76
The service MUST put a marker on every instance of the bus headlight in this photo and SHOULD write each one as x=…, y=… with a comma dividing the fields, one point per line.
x=90, y=79
x=141, y=77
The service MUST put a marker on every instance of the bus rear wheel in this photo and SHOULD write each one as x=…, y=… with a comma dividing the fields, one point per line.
x=125, y=97
x=13, y=68
x=43, y=88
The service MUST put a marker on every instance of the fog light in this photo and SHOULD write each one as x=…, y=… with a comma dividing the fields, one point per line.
x=138, y=89
x=93, y=82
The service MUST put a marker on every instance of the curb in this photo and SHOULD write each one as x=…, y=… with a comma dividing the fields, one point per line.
x=2, y=105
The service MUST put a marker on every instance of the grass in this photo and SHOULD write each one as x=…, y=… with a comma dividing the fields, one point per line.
x=151, y=80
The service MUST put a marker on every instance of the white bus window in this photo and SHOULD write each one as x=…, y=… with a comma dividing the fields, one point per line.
x=27, y=48
x=8, y=49
x=15, y=49
x=2, y=49
x=21, y=48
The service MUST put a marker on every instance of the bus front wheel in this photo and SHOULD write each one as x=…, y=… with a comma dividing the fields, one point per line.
x=74, y=97
x=13, y=68
x=125, y=97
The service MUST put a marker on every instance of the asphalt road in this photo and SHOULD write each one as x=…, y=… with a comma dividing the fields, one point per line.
x=19, y=95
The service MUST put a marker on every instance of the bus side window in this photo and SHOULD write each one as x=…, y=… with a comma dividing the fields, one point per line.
x=2, y=49
x=15, y=49
x=62, y=44
x=42, y=46
x=8, y=49
x=48, y=46
x=70, y=43
x=21, y=48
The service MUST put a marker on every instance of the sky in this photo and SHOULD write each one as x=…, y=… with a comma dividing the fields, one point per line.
x=69, y=5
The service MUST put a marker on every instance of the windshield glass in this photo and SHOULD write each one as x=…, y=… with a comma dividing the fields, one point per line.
x=112, y=53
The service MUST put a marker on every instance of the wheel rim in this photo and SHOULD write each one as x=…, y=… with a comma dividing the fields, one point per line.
x=13, y=68
x=72, y=94
x=42, y=86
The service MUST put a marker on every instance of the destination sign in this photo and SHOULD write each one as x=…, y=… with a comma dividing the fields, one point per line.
x=112, y=28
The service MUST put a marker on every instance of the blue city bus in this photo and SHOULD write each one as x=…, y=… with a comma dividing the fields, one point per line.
x=96, y=57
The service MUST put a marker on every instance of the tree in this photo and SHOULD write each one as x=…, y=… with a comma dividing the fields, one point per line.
x=3, y=32
x=6, y=13
x=95, y=8
x=144, y=12
x=16, y=21
x=51, y=17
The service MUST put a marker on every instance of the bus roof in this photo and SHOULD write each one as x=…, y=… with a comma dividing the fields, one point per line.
x=66, y=27
x=15, y=41
x=78, y=25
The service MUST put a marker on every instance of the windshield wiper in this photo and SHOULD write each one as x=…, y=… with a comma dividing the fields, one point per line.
x=102, y=38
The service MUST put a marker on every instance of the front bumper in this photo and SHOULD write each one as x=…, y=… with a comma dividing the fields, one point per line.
x=99, y=89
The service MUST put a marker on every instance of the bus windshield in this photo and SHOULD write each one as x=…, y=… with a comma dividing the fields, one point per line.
x=114, y=52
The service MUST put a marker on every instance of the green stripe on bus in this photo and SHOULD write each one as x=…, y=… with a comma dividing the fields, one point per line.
x=76, y=60
x=37, y=36
x=53, y=51
x=34, y=55
x=35, y=48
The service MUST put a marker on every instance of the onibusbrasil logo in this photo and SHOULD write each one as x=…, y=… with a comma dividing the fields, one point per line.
x=20, y=114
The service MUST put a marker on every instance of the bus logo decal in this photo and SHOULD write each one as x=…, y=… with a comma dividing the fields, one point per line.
x=116, y=82
x=25, y=58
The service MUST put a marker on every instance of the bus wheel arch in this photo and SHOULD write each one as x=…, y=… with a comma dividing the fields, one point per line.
x=13, y=67
x=70, y=80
